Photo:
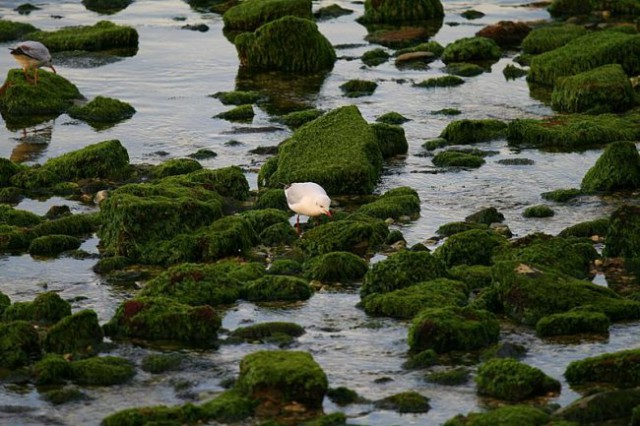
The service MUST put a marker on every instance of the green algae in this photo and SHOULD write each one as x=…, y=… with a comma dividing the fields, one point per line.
x=335, y=267
x=174, y=167
x=456, y=158
x=52, y=369
x=357, y=88
x=547, y=38
x=391, y=139
x=443, y=81
x=619, y=369
x=618, y=168
x=241, y=113
x=296, y=119
x=103, y=35
x=541, y=210
x=395, y=203
x=11, y=30
x=53, y=245
x=102, y=111
x=573, y=322
x=461, y=132
x=471, y=49
x=405, y=402
x=473, y=247
x=102, y=371
x=19, y=344
x=78, y=333
x=401, y=11
x=513, y=381
x=622, y=236
x=277, y=287
x=252, y=14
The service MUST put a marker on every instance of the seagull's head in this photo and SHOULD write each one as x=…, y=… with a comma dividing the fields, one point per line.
x=323, y=203
x=49, y=65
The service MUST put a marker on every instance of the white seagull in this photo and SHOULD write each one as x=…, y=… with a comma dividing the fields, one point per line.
x=32, y=55
x=307, y=198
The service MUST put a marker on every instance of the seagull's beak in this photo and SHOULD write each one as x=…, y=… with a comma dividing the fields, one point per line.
x=328, y=213
x=53, y=69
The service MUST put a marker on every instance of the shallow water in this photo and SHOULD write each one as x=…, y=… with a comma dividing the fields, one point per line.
x=168, y=82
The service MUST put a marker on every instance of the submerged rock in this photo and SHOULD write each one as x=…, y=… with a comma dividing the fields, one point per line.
x=513, y=381
x=277, y=288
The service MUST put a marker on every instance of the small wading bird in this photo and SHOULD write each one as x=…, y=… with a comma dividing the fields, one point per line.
x=32, y=55
x=307, y=198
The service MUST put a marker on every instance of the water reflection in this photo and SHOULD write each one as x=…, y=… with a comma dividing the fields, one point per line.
x=32, y=142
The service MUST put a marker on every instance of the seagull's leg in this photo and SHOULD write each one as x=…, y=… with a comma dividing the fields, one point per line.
x=298, y=224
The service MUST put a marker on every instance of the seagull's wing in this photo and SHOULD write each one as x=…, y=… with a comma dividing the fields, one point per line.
x=297, y=191
x=33, y=50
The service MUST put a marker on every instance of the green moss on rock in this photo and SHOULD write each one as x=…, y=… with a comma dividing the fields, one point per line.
x=175, y=166
x=452, y=377
x=19, y=344
x=277, y=287
x=618, y=168
x=442, y=81
x=395, y=203
x=540, y=210
x=285, y=375
x=616, y=368
x=16, y=217
x=405, y=402
x=228, y=407
x=356, y=236
x=452, y=329
x=52, y=96
x=508, y=415
x=462, y=132
x=464, y=69
x=268, y=331
x=53, y=369
x=605, y=407
x=357, y=88
x=513, y=381
x=337, y=266
x=622, y=239
x=546, y=38
x=561, y=195
x=405, y=303
x=473, y=247
x=396, y=11
x=102, y=371
x=52, y=245
x=103, y=35
x=239, y=97
x=77, y=333
x=243, y=113
x=402, y=270
x=587, y=229
x=456, y=158
x=375, y=57
x=573, y=322
x=470, y=49
x=164, y=319
x=251, y=14
x=11, y=30
x=391, y=139
x=102, y=110
x=289, y=44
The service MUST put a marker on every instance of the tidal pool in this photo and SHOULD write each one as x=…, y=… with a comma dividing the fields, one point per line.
x=169, y=81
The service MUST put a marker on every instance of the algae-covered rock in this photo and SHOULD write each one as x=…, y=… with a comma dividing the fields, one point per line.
x=587, y=229
x=14, y=238
x=17, y=217
x=46, y=308
x=226, y=181
x=443, y=81
x=570, y=256
x=355, y=236
x=402, y=270
x=288, y=44
x=107, y=7
x=457, y=158
x=395, y=203
x=622, y=239
x=160, y=363
x=618, y=369
x=272, y=198
x=451, y=377
x=268, y=331
x=175, y=166
x=159, y=414
x=486, y=215
x=599, y=90
x=52, y=245
x=451, y=228
x=453, y=329
x=507, y=34
x=585, y=53
x=357, y=88
x=78, y=225
x=251, y=14
x=161, y=318
x=5, y=302
x=405, y=402
x=473, y=247
x=338, y=151
x=561, y=195
x=540, y=210
x=391, y=139
x=573, y=131
x=507, y=415
x=241, y=113
x=573, y=322
x=277, y=287
x=263, y=218
x=7, y=169
x=461, y=132
x=52, y=96
x=470, y=49
x=11, y=30
x=195, y=284
x=102, y=371
x=513, y=381
x=339, y=266
x=405, y=303
x=397, y=11
x=281, y=377
x=568, y=8
x=19, y=344
x=474, y=276
x=228, y=407
x=464, y=69
x=529, y=292
x=102, y=111
x=52, y=369
x=77, y=333
x=546, y=38
x=103, y=35
x=605, y=407
x=296, y=119
x=618, y=168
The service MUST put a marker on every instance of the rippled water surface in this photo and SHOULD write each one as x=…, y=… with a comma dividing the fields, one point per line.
x=168, y=82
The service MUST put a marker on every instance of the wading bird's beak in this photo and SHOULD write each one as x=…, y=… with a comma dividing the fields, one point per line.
x=328, y=213
x=53, y=69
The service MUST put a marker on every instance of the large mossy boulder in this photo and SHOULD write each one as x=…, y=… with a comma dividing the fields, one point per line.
x=102, y=160
x=227, y=181
x=573, y=132
x=619, y=369
x=398, y=11
x=452, y=328
x=102, y=111
x=602, y=408
x=473, y=247
x=572, y=256
x=278, y=378
x=102, y=371
x=53, y=245
x=337, y=266
x=402, y=270
x=529, y=292
x=355, y=236
x=103, y=35
x=391, y=139
x=585, y=53
x=464, y=132
x=47, y=308
x=471, y=49
x=161, y=318
x=507, y=415
x=618, y=168
x=511, y=380
x=623, y=235
x=19, y=344
x=289, y=44
x=11, y=30
x=600, y=90
x=337, y=150
x=106, y=7
x=546, y=38
x=395, y=203
x=196, y=284
x=252, y=14
x=77, y=333
x=7, y=169
x=52, y=369
x=407, y=302
x=52, y=96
